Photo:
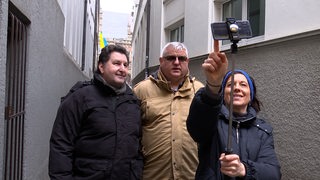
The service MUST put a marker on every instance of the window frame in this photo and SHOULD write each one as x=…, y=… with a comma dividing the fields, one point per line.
x=178, y=32
x=257, y=37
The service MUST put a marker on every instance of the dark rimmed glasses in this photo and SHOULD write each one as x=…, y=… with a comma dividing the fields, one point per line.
x=174, y=58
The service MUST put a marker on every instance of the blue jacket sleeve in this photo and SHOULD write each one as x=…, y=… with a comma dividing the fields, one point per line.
x=203, y=115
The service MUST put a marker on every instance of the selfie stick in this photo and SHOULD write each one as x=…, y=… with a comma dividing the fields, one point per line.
x=233, y=30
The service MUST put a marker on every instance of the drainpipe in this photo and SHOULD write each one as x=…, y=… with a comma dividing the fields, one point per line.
x=147, y=39
x=95, y=34
x=84, y=35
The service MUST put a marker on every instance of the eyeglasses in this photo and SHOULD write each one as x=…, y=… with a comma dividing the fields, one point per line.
x=173, y=58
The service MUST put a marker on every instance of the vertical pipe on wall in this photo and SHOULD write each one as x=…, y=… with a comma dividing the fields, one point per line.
x=95, y=34
x=84, y=36
x=147, y=39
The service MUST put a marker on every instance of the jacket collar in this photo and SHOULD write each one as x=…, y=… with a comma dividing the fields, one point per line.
x=100, y=82
x=246, y=119
x=158, y=78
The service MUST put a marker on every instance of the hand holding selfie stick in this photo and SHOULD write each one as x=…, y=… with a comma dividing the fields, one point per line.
x=234, y=31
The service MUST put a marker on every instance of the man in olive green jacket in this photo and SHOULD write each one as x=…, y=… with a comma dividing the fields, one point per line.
x=168, y=149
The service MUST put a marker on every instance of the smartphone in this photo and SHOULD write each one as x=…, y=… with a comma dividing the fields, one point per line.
x=221, y=30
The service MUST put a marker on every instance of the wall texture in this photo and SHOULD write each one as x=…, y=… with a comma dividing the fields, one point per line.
x=50, y=74
x=3, y=52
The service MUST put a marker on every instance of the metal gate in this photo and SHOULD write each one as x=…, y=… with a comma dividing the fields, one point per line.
x=15, y=94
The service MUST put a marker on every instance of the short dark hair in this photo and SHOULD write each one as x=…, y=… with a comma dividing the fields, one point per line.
x=106, y=52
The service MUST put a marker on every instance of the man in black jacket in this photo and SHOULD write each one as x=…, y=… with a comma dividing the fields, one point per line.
x=97, y=131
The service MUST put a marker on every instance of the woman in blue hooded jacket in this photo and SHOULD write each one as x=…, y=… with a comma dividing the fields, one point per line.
x=253, y=155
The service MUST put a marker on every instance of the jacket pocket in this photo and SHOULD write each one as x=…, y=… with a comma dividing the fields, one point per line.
x=92, y=169
x=136, y=167
x=102, y=166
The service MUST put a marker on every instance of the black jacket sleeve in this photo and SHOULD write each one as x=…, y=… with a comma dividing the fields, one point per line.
x=203, y=115
x=64, y=133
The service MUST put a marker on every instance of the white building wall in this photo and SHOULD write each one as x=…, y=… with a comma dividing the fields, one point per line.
x=285, y=18
x=198, y=15
x=91, y=15
x=139, y=39
x=73, y=28
x=156, y=32
x=73, y=31
x=174, y=11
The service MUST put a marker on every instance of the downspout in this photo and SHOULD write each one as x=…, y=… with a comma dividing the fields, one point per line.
x=95, y=34
x=147, y=39
x=84, y=36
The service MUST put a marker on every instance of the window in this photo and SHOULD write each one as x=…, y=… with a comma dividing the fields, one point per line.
x=252, y=10
x=256, y=16
x=174, y=35
x=233, y=9
x=177, y=34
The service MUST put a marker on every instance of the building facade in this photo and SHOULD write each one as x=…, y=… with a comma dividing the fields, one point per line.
x=283, y=56
x=46, y=46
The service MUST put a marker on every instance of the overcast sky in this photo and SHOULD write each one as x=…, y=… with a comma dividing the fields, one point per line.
x=122, y=6
x=116, y=16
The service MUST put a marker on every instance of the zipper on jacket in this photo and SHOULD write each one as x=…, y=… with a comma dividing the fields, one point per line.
x=237, y=131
